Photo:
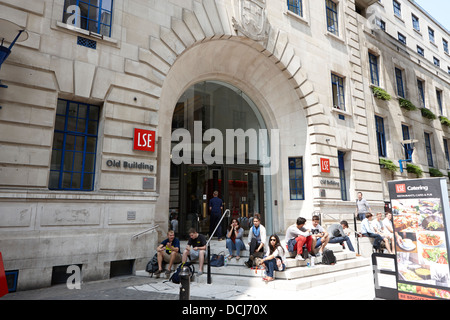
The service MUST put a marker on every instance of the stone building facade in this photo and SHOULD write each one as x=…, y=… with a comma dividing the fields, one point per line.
x=74, y=189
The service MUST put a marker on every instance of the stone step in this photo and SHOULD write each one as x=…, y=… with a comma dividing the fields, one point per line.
x=312, y=277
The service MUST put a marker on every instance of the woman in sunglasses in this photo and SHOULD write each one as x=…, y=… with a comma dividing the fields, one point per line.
x=274, y=259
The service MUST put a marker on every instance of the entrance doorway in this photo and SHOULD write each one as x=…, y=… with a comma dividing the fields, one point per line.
x=229, y=163
x=241, y=193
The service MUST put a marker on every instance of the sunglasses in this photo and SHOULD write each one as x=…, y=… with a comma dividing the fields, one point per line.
x=273, y=239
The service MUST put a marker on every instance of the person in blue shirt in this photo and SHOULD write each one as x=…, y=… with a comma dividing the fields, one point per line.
x=169, y=252
x=368, y=231
x=215, y=206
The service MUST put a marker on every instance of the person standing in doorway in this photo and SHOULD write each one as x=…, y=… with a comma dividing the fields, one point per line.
x=215, y=206
x=362, y=207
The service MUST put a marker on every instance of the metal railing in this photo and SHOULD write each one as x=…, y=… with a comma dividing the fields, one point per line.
x=208, y=260
x=145, y=231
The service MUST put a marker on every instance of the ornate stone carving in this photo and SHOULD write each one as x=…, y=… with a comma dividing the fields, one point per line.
x=252, y=21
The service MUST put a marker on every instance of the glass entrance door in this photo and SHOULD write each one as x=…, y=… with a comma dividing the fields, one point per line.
x=244, y=195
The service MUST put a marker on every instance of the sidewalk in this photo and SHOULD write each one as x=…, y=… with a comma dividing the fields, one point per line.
x=145, y=288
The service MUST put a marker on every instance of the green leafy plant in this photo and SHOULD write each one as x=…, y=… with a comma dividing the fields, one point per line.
x=381, y=94
x=426, y=113
x=444, y=121
x=411, y=168
x=436, y=172
x=406, y=104
x=388, y=165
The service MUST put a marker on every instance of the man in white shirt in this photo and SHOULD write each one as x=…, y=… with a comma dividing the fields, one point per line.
x=368, y=231
x=320, y=235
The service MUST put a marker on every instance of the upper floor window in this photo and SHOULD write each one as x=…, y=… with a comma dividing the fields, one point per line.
x=421, y=51
x=296, y=6
x=399, y=80
x=74, y=146
x=332, y=17
x=428, y=149
x=439, y=101
x=381, y=136
x=397, y=8
x=374, y=76
x=431, y=34
x=436, y=62
x=407, y=148
x=445, y=45
x=337, y=84
x=381, y=24
x=421, y=89
x=415, y=22
x=91, y=15
x=401, y=38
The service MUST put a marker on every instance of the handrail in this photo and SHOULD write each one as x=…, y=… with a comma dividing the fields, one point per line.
x=145, y=231
x=209, y=249
x=354, y=230
x=328, y=214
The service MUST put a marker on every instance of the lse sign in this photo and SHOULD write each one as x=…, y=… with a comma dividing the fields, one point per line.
x=400, y=188
x=144, y=140
x=324, y=165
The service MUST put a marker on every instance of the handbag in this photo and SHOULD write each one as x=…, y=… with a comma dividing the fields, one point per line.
x=217, y=260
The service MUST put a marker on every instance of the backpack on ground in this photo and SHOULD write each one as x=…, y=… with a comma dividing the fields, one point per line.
x=328, y=257
x=175, y=277
x=152, y=265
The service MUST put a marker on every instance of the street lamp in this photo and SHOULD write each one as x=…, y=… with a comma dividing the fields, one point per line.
x=12, y=33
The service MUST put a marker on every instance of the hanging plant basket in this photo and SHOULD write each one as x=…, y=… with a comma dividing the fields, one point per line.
x=426, y=113
x=381, y=94
x=406, y=104
x=412, y=168
x=388, y=165
x=435, y=172
x=444, y=121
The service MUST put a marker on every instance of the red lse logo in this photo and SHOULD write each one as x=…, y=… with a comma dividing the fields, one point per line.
x=144, y=140
x=400, y=188
x=324, y=165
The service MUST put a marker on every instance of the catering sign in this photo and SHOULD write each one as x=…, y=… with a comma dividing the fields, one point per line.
x=421, y=214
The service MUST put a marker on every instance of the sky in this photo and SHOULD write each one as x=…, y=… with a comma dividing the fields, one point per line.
x=438, y=9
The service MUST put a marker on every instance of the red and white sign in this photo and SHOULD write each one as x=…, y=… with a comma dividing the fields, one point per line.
x=144, y=140
x=324, y=165
x=400, y=188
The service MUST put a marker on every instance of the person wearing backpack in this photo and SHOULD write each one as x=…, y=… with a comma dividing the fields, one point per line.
x=169, y=252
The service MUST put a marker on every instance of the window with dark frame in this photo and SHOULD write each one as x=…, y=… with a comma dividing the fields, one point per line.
x=337, y=84
x=332, y=17
x=296, y=185
x=343, y=184
x=295, y=6
x=428, y=149
x=374, y=75
x=381, y=136
x=94, y=15
x=399, y=80
x=74, y=146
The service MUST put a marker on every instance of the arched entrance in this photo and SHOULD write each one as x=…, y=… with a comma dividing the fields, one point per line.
x=217, y=134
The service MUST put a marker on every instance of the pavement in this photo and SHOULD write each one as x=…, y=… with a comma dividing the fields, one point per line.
x=145, y=288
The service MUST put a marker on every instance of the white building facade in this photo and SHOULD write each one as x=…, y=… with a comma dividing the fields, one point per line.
x=77, y=176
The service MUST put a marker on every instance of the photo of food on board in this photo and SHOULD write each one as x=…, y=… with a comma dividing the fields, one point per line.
x=421, y=242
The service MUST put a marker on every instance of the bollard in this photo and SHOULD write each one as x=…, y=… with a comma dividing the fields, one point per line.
x=185, y=279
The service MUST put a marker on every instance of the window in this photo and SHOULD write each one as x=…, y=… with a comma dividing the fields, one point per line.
x=415, y=22
x=332, y=17
x=337, y=84
x=447, y=154
x=421, y=51
x=445, y=45
x=296, y=187
x=421, y=89
x=296, y=6
x=436, y=62
x=431, y=34
x=428, y=149
x=91, y=15
x=74, y=146
x=406, y=147
x=342, y=180
x=374, y=77
x=381, y=24
x=401, y=38
x=397, y=8
x=399, y=80
x=381, y=136
x=439, y=100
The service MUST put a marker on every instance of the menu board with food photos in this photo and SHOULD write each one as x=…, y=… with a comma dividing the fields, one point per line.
x=420, y=216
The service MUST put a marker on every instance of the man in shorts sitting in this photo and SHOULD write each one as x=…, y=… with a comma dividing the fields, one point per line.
x=169, y=252
x=195, y=249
